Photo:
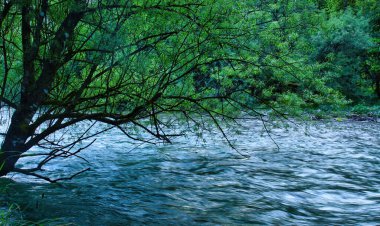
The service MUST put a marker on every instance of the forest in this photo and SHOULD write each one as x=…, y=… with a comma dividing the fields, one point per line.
x=158, y=71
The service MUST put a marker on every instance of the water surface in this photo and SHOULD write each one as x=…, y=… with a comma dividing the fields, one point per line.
x=323, y=173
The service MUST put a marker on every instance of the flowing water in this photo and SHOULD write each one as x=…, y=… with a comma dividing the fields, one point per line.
x=326, y=173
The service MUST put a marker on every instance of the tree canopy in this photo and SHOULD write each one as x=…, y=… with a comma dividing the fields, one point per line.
x=154, y=63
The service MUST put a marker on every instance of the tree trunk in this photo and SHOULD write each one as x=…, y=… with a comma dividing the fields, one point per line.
x=33, y=92
x=13, y=145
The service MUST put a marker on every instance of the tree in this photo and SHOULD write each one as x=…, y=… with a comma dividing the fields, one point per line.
x=127, y=62
x=341, y=48
x=371, y=9
x=347, y=46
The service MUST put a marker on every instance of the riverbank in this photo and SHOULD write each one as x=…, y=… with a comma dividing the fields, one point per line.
x=358, y=112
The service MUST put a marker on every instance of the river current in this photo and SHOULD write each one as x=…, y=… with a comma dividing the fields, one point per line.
x=324, y=173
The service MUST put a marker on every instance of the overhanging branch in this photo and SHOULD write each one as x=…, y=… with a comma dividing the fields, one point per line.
x=8, y=102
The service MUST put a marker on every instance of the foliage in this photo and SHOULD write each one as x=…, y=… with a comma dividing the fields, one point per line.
x=364, y=109
x=153, y=64
x=342, y=43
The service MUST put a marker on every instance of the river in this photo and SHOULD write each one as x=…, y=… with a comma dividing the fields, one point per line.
x=324, y=173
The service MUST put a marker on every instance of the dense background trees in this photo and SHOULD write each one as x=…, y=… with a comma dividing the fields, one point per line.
x=346, y=42
x=152, y=64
